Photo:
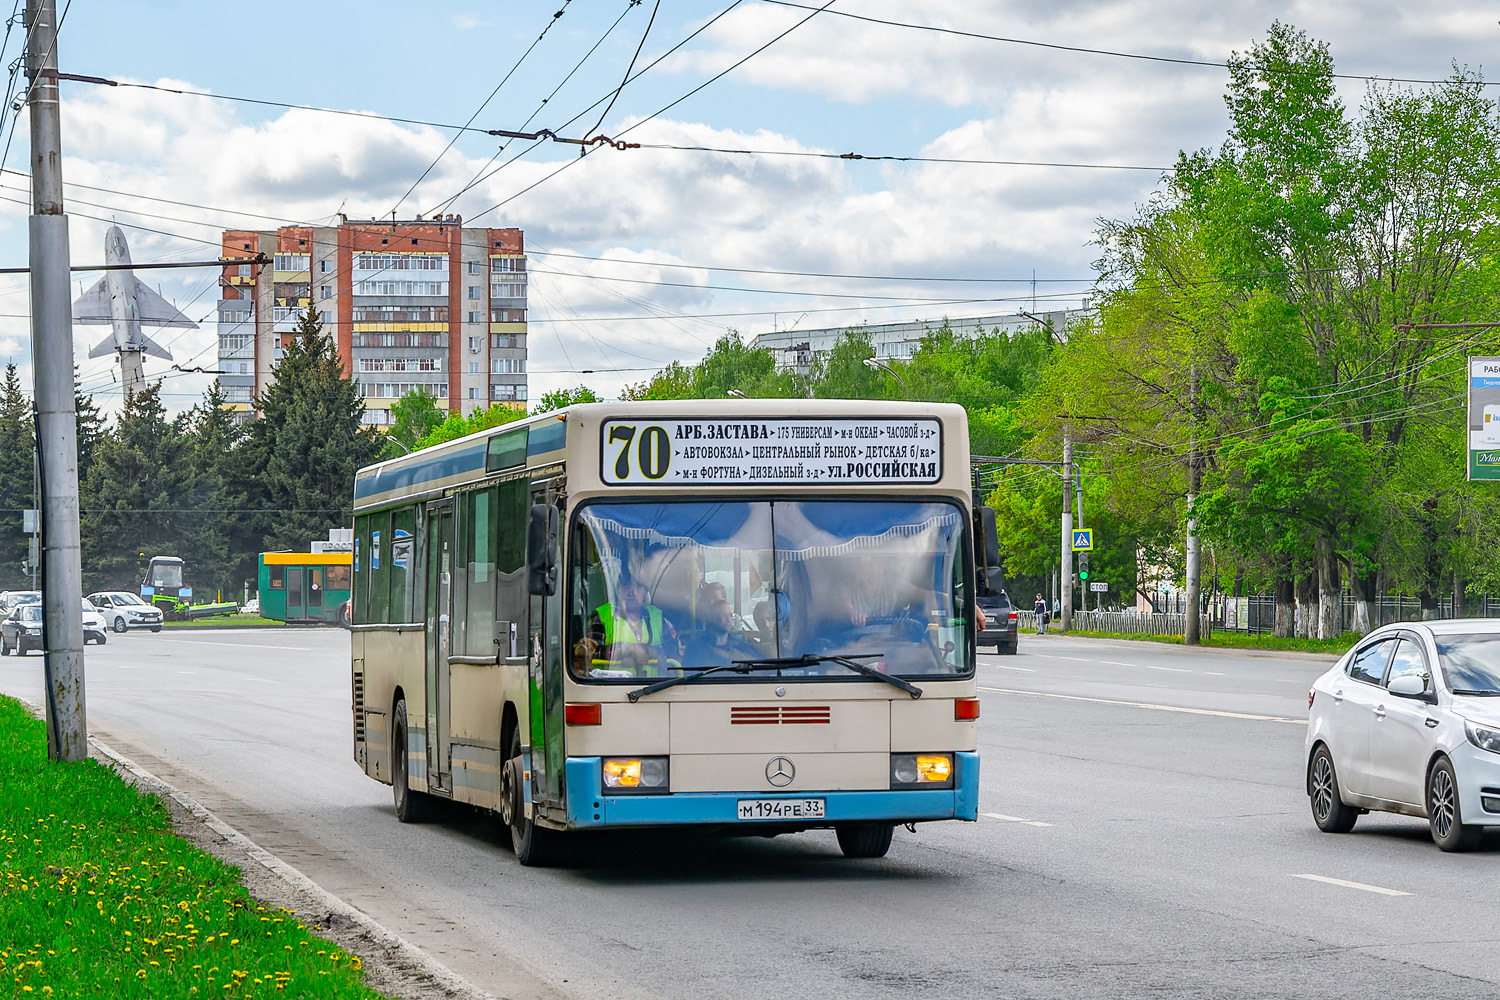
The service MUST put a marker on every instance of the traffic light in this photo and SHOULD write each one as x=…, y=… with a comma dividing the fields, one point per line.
x=1083, y=565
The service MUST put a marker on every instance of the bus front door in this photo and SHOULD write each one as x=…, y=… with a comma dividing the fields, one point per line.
x=440, y=560
x=296, y=600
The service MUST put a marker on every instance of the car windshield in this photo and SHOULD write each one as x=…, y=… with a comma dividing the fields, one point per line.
x=123, y=599
x=657, y=589
x=29, y=612
x=1470, y=663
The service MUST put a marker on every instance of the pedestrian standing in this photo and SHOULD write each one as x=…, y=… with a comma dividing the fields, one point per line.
x=1040, y=610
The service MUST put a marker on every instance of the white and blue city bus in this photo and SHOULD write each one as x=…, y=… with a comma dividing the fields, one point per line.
x=800, y=575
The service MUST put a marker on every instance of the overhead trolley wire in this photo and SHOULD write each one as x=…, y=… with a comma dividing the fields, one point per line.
x=1077, y=48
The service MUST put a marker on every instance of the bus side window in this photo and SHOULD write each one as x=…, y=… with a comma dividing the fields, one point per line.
x=277, y=577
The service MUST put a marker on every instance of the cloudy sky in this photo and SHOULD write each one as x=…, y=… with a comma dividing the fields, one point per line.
x=643, y=256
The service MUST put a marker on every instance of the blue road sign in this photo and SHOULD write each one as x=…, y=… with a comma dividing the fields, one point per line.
x=1083, y=540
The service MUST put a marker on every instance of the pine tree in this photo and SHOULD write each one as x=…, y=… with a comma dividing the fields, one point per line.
x=229, y=550
x=142, y=495
x=17, y=490
x=308, y=443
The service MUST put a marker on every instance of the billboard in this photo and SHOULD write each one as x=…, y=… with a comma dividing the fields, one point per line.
x=1484, y=418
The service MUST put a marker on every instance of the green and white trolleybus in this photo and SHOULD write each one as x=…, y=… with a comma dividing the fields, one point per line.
x=752, y=615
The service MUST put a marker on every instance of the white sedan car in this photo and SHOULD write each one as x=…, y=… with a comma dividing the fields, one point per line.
x=123, y=610
x=1408, y=721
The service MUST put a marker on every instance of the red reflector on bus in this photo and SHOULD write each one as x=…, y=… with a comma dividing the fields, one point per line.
x=965, y=709
x=581, y=713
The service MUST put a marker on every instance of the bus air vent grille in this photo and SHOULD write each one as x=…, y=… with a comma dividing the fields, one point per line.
x=359, y=708
x=772, y=715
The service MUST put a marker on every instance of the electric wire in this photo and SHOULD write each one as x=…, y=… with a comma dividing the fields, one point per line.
x=482, y=105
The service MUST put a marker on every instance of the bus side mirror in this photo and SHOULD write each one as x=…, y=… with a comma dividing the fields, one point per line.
x=541, y=550
x=987, y=549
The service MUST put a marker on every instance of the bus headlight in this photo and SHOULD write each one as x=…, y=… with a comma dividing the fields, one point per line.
x=635, y=774
x=921, y=770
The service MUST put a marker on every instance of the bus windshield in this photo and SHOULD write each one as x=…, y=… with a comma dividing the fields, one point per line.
x=659, y=589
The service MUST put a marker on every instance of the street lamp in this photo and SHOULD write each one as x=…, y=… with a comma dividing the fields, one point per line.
x=879, y=365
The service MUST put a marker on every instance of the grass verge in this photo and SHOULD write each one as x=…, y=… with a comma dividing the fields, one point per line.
x=99, y=898
x=246, y=620
x=1232, y=640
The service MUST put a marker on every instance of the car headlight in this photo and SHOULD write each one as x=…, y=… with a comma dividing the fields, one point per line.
x=921, y=770
x=635, y=774
x=1482, y=736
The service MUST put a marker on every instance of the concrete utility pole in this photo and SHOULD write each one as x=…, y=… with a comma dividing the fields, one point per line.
x=1065, y=578
x=56, y=419
x=1191, y=630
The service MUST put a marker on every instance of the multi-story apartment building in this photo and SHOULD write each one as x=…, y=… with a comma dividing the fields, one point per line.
x=795, y=350
x=418, y=303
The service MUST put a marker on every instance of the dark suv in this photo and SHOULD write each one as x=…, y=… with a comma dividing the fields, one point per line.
x=1000, y=623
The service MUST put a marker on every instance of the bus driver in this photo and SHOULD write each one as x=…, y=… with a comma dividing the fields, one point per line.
x=631, y=634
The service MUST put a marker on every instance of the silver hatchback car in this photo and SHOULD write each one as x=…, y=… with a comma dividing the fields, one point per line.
x=1408, y=721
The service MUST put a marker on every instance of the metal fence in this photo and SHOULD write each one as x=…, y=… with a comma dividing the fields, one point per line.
x=1257, y=614
x=1117, y=621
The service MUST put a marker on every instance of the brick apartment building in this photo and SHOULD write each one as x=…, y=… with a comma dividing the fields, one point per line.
x=409, y=303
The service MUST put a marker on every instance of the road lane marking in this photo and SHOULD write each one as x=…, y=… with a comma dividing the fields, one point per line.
x=1016, y=819
x=1215, y=673
x=1175, y=670
x=207, y=642
x=1007, y=666
x=1354, y=885
x=1155, y=708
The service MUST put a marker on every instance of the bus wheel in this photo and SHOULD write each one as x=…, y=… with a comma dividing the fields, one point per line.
x=864, y=840
x=534, y=846
x=411, y=807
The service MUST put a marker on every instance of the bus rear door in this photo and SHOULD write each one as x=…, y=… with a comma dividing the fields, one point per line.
x=440, y=562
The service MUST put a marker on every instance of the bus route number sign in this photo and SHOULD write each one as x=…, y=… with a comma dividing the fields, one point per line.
x=750, y=452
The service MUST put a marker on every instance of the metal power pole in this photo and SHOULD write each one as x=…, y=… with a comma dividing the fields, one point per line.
x=56, y=419
x=1065, y=578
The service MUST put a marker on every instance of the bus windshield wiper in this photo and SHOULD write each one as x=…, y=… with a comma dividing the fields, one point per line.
x=1478, y=692
x=738, y=666
x=782, y=663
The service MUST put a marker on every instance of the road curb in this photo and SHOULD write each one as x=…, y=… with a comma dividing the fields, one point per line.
x=338, y=911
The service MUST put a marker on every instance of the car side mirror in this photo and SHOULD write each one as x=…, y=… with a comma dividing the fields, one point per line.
x=1408, y=686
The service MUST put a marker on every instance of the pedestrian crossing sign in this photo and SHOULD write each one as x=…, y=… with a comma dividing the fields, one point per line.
x=1083, y=540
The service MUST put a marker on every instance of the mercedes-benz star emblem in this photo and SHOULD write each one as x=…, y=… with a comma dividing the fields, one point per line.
x=780, y=771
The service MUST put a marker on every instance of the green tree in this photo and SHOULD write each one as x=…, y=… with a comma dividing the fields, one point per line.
x=227, y=559
x=558, y=398
x=308, y=442
x=731, y=367
x=413, y=417
x=457, y=425
x=144, y=494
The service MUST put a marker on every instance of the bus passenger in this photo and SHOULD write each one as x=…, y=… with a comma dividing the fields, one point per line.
x=719, y=642
x=632, y=634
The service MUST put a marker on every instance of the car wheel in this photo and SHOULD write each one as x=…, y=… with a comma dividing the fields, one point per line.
x=21, y=647
x=102, y=639
x=4, y=649
x=535, y=846
x=864, y=840
x=120, y=625
x=1010, y=648
x=1328, y=809
x=156, y=628
x=411, y=807
x=1449, y=831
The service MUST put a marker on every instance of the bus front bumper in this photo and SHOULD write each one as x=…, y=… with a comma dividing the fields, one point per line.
x=588, y=808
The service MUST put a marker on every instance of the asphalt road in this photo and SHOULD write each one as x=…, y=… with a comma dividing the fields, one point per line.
x=1144, y=832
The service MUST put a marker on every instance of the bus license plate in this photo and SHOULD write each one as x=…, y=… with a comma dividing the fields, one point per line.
x=781, y=809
